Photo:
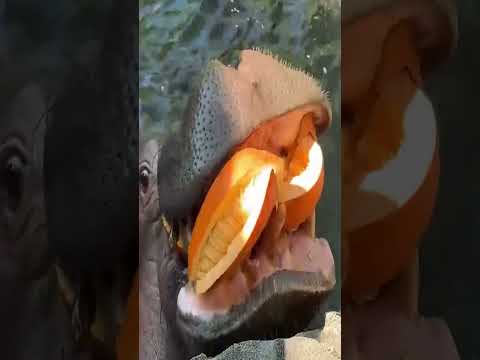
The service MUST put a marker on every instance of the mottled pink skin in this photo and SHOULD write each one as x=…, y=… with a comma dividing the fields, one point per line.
x=295, y=252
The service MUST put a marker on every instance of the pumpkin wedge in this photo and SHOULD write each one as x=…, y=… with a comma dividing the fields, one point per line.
x=268, y=168
x=301, y=208
x=302, y=182
x=233, y=215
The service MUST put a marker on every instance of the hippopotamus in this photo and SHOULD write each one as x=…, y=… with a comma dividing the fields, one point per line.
x=227, y=105
x=37, y=317
x=91, y=154
x=151, y=321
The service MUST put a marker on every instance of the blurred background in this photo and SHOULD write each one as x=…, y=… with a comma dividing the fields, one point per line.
x=450, y=252
x=179, y=37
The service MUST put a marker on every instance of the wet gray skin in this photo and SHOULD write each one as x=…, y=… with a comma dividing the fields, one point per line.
x=159, y=337
x=150, y=315
x=31, y=304
x=228, y=105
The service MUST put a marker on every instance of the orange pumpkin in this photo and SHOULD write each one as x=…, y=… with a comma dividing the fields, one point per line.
x=232, y=216
x=293, y=137
x=300, y=209
x=281, y=164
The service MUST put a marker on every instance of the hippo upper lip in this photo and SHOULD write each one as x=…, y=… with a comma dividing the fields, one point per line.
x=225, y=108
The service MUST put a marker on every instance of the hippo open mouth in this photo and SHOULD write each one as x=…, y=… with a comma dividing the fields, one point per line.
x=253, y=259
x=294, y=273
x=296, y=252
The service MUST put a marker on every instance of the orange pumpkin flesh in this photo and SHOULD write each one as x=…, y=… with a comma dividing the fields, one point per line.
x=240, y=163
x=221, y=238
x=280, y=134
x=293, y=137
x=234, y=227
x=301, y=208
x=305, y=183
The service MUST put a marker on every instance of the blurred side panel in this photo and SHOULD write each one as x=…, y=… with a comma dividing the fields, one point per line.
x=68, y=176
x=394, y=176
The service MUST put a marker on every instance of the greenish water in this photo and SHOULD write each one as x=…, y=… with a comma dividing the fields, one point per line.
x=178, y=38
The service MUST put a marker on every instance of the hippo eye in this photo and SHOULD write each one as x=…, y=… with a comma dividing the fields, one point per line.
x=11, y=179
x=144, y=179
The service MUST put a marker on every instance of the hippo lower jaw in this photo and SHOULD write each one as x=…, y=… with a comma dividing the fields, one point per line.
x=257, y=301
